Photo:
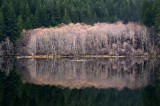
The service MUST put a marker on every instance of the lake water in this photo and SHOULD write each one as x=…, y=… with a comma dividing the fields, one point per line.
x=80, y=82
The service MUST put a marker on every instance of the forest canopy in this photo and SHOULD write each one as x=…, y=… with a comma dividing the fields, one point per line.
x=16, y=15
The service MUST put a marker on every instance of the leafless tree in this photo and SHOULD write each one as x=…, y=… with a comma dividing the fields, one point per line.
x=82, y=39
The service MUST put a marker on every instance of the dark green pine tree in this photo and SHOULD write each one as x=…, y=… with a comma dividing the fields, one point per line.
x=25, y=11
x=36, y=19
x=148, y=13
x=20, y=25
x=157, y=17
x=10, y=21
x=157, y=22
x=66, y=18
x=73, y=14
x=27, y=16
x=2, y=26
x=106, y=16
x=32, y=20
x=28, y=23
x=58, y=14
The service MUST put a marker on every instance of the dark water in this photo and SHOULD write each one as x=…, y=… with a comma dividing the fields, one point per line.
x=80, y=82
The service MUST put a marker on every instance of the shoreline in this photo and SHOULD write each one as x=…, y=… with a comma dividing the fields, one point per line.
x=85, y=56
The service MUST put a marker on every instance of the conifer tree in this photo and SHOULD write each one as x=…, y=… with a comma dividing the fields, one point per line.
x=157, y=16
x=2, y=26
x=10, y=21
x=20, y=25
x=28, y=23
x=66, y=19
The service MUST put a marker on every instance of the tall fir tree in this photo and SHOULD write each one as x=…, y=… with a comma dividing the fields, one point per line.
x=10, y=21
x=38, y=13
x=28, y=23
x=20, y=25
x=66, y=18
x=36, y=19
x=157, y=16
x=2, y=26
x=148, y=13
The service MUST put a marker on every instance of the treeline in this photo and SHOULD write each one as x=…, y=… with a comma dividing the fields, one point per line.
x=16, y=15
x=151, y=18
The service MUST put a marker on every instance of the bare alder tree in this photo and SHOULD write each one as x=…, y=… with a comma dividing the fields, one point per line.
x=82, y=39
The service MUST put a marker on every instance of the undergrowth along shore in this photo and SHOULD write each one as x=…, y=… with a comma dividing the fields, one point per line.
x=88, y=56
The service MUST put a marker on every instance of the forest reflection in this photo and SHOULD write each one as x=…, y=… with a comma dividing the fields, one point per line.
x=125, y=82
x=116, y=73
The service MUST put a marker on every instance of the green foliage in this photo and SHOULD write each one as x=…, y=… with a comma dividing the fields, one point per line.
x=148, y=13
x=66, y=19
x=20, y=23
x=157, y=16
x=28, y=23
x=151, y=17
x=2, y=26
x=10, y=21
x=45, y=13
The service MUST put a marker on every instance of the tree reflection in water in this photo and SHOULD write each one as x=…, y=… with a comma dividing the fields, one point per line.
x=13, y=92
x=78, y=73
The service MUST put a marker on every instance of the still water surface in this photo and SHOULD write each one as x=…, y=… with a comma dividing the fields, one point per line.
x=80, y=82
